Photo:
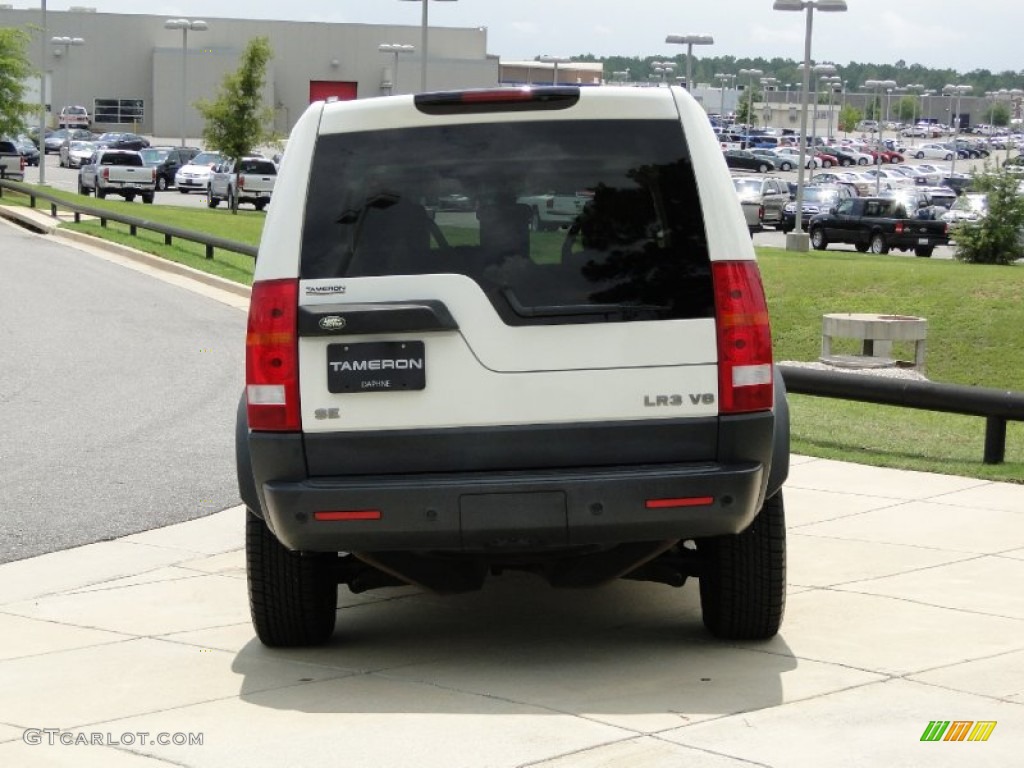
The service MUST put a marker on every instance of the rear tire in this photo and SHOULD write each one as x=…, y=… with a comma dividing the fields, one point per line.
x=81, y=189
x=878, y=244
x=818, y=239
x=743, y=577
x=100, y=194
x=293, y=597
x=161, y=183
x=148, y=198
x=212, y=202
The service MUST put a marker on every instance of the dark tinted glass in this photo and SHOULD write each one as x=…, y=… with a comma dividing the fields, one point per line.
x=558, y=222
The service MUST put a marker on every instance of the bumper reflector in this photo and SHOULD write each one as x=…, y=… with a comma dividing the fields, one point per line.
x=349, y=514
x=692, y=501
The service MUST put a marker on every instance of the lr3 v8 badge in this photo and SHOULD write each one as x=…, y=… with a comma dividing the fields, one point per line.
x=676, y=401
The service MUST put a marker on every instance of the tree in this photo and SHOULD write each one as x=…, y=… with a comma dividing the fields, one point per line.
x=907, y=108
x=14, y=69
x=849, y=116
x=996, y=237
x=998, y=114
x=237, y=120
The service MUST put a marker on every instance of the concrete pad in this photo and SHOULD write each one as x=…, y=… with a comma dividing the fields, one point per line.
x=92, y=564
x=644, y=752
x=211, y=535
x=886, y=635
x=369, y=720
x=841, y=477
x=1001, y=677
x=70, y=689
x=874, y=725
x=821, y=562
x=805, y=506
x=639, y=679
x=31, y=637
x=931, y=525
x=157, y=575
x=1005, y=496
x=225, y=564
x=59, y=756
x=990, y=585
x=147, y=609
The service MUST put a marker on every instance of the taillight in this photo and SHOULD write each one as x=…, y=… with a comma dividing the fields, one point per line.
x=899, y=227
x=241, y=182
x=105, y=173
x=744, y=338
x=272, y=356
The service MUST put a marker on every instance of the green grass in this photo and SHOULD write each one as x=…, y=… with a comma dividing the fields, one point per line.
x=975, y=319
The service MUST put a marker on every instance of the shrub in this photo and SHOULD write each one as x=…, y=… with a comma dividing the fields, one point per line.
x=996, y=238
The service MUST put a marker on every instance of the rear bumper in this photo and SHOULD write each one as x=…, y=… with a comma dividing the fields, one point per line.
x=516, y=512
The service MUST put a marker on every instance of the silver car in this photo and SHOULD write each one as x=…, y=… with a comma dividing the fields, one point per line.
x=195, y=176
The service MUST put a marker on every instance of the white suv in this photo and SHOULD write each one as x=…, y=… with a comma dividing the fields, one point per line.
x=436, y=395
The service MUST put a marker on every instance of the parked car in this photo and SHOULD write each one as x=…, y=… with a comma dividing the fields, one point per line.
x=53, y=140
x=969, y=207
x=75, y=153
x=195, y=175
x=1015, y=164
x=73, y=134
x=877, y=224
x=413, y=408
x=788, y=158
x=27, y=148
x=817, y=198
x=748, y=161
x=762, y=199
x=117, y=172
x=933, y=151
x=74, y=117
x=249, y=180
x=167, y=161
x=121, y=140
x=12, y=162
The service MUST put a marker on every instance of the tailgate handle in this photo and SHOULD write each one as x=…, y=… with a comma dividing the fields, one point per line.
x=382, y=317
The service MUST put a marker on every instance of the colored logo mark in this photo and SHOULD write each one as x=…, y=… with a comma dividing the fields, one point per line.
x=958, y=730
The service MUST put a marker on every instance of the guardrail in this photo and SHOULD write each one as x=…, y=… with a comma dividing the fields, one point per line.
x=210, y=242
x=998, y=406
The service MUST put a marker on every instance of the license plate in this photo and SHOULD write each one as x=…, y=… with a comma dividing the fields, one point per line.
x=922, y=241
x=376, y=366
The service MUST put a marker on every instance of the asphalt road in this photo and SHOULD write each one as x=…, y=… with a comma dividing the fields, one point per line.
x=117, y=399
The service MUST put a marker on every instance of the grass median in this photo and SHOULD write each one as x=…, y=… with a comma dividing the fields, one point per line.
x=975, y=318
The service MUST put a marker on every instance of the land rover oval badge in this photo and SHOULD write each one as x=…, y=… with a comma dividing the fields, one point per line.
x=332, y=323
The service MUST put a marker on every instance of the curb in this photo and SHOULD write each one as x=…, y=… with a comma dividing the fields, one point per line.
x=45, y=225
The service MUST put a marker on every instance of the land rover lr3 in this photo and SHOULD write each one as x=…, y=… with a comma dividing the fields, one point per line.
x=433, y=396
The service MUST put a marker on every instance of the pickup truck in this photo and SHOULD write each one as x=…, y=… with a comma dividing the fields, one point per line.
x=762, y=200
x=877, y=224
x=249, y=180
x=117, y=172
x=552, y=210
x=12, y=162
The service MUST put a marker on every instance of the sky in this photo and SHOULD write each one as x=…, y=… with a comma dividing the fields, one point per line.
x=981, y=34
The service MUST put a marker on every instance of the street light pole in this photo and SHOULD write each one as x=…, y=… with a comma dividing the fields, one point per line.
x=959, y=91
x=424, y=26
x=721, y=78
x=689, y=41
x=184, y=25
x=42, y=98
x=751, y=73
x=797, y=240
x=914, y=89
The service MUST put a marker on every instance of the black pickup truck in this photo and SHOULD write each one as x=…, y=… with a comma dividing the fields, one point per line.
x=877, y=224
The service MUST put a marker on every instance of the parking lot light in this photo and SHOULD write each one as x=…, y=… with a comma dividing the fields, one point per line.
x=914, y=89
x=751, y=73
x=184, y=25
x=66, y=43
x=797, y=239
x=396, y=49
x=722, y=78
x=689, y=41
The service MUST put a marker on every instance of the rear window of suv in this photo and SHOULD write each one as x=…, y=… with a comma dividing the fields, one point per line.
x=558, y=222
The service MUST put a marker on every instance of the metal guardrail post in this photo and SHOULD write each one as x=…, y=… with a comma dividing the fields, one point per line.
x=995, y=440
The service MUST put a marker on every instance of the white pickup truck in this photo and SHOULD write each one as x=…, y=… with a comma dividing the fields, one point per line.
x=12, y=162
x=553, y=210
x=117, y=172
x=249, y=180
